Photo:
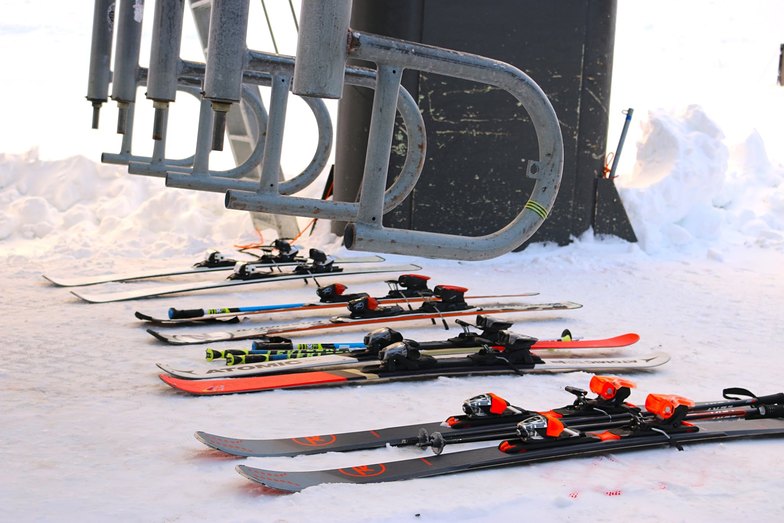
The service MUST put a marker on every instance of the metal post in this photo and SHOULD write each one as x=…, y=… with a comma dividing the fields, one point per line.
x=322, y=48
x=100, y=56
x=226, y=54
x=164, y=60
x=126, y=61
x=382, y=126
x=270, y=165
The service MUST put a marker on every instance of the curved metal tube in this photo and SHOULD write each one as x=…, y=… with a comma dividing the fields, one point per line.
x=547, y=171
x=154, y=165
x=200, y=179
x=242, y=195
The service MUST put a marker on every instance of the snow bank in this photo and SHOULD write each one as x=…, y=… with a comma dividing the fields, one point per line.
x=79, y=206
x=689, y=187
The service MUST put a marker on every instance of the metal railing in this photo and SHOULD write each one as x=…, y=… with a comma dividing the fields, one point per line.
x=325, y=43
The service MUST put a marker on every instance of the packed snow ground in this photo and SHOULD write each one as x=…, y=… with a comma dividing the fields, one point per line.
x=92, y=434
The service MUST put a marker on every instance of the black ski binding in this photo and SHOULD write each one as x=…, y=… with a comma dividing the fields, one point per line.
x=215, y=259
x=334, y=294
x=367, y=307
x=409, y=286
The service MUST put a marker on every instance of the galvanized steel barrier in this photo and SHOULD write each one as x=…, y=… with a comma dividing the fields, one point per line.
x=325, y=43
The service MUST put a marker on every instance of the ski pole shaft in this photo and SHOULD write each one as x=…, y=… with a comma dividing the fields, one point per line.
x=239, y=359
x=176, y=314
x=287, y=349
x=260, y=346
x=617, y=155
x=216, y=354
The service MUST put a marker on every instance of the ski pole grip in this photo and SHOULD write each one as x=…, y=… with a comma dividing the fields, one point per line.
x=213, y=354
x=772, y=411
x=258, y=346
x=181, y=314
x=772, y=399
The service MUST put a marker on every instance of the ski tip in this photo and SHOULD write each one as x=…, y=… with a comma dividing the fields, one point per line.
x=157, y=335
x=83, y=298
x=141, y=316
x=203, y=437
x=658, y=358
x=92, y=298
x=168, y=379
x=247, y=473
x=274, y=481
x=51, y=280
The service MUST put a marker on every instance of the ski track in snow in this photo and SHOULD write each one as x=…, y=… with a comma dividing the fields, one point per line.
x=91, y=433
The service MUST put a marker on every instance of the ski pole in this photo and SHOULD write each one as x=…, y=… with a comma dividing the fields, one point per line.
x=771, y=406
x=178, y=314
x=244, y=359
x=264, y=345
x=617, y=155
x=316, y=349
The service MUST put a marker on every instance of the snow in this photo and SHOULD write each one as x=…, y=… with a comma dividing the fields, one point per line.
x=90, y=433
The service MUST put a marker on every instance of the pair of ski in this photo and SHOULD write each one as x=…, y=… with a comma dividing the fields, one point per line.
x=447, y=301
x=589, y=426
x=494, y=333
x=409, y=289
x=278, y=347
x=262, y=270
x=396, y=359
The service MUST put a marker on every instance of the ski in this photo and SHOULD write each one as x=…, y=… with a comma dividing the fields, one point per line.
x=300, y=273
x=287, y=349
x=285, y=365
x=484, y=416
x=213, y=261
x=279, y=346
x=354, y=349
x=493, y=335
x=347, y=321
x=582, y=444
x=407, y=289
x=453, y=366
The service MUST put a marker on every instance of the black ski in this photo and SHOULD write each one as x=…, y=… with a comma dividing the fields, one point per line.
x=449, y=301
x=542, y=438
x=484, y=416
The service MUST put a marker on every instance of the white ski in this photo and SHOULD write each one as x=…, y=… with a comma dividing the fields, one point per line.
x=163, y=290
x=345, y=321
x=67, y=281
